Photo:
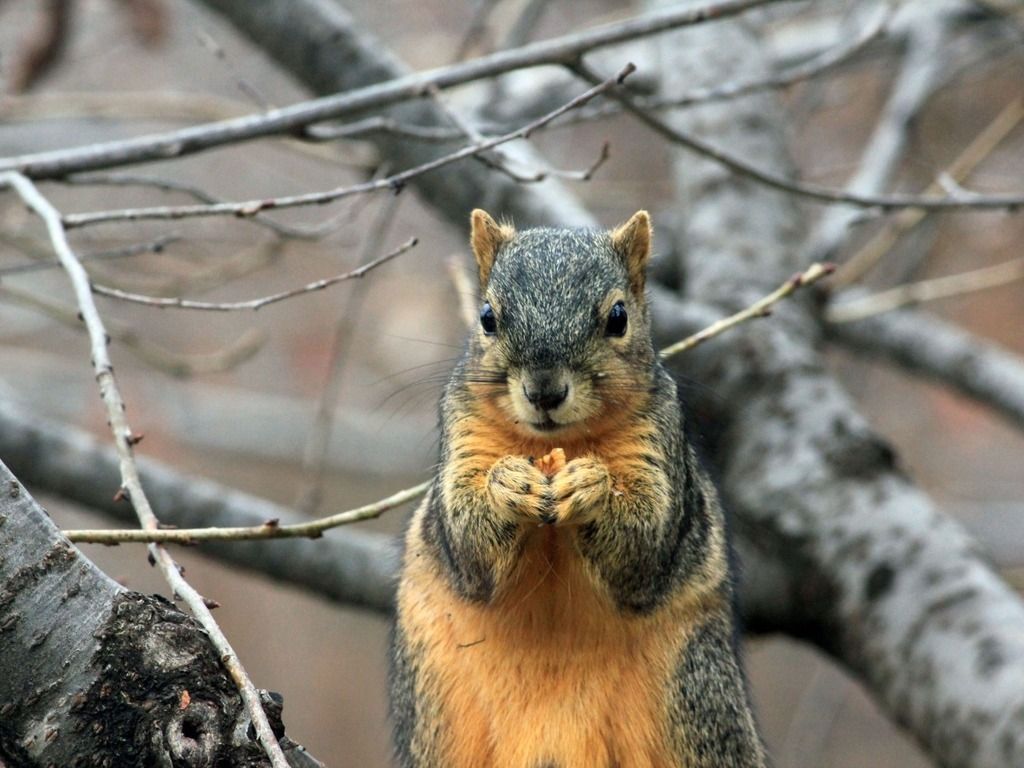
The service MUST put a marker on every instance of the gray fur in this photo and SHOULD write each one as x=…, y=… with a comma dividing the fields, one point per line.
x=658, y=541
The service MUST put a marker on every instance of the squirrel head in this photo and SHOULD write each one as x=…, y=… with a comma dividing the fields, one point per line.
x=564, y=335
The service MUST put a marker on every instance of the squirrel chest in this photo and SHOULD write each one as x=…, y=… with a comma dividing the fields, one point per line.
x=551, y=672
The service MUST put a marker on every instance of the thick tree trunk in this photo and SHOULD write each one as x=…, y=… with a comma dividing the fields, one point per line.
x=94, y=674
x=881, y=579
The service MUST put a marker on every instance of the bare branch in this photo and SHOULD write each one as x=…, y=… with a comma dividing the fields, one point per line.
x=840, y=311
x=394, y=182
x=169, y=361
x=827, y=60
x=815, y=192
x=354, y=567
x=286, y=120
x=942, y=352
x=760, y=308
x=124, y=439
x=251, y=304
x=918, y=77
x=869, y=254
x=272, y=529
x=197, y=193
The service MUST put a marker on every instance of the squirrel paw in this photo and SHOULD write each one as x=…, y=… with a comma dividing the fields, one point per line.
x=519, y=491
x=581, y=491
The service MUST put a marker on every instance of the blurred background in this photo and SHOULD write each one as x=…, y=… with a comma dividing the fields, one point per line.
x=234, y=396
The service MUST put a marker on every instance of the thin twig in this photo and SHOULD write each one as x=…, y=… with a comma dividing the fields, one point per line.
x=501, y=163
x=816, y=192
x=171, y=362
x=315, y=232
x=251, y=304
x=288, y=120
x=840, y=311
x=314, y=456
x=157, y=245
x=869, y=254
x=124, y=439
x=915, y=82
x=314, y=529
x=394, y=183
x=760, y=308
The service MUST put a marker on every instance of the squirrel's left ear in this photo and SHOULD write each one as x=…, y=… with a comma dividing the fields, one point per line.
x=486, y=237
x=633, y=242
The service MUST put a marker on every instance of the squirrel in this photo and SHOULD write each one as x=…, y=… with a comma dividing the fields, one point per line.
x=570, y=612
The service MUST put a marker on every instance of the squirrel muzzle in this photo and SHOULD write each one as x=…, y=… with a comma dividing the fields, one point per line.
x=547, y=399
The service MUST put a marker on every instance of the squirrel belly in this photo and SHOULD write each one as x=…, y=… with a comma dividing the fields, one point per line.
x=565, y=598
x=551, y=672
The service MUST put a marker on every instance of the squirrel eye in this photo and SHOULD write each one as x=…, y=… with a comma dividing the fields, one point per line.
x=616, y=320
x=487, y=319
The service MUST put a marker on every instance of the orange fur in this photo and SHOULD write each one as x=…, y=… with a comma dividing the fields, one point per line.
x=551, y=669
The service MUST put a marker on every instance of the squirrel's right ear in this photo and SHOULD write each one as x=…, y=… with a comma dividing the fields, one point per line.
x=486, y=237
x=633, y=242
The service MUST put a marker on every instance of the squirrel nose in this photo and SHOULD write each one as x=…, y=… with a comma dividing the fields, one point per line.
x=546, y=398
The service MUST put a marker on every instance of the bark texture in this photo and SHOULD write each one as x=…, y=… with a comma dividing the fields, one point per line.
x=886, y=583
x=97, y=675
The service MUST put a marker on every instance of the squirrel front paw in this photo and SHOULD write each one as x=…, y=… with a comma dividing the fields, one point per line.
x=519, y=491
x=581, y=491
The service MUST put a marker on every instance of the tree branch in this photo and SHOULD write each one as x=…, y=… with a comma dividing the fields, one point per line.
x=879, y=578
x=394, y=183
x=130, y=481
x=356, y=568
x=276, y=15
x=868, y=304
x=760, y=308
x=252, y=304
x=269, y=529
x=918, y=76
x=941, y=352
x=815, y=192
x=67, y=632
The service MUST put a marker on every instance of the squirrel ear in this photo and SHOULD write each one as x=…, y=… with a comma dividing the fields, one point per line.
x=633, y=242
x=486, y=237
